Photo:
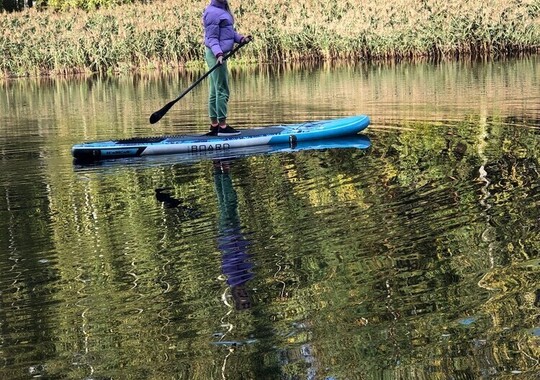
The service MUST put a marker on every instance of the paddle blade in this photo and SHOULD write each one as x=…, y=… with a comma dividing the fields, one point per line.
x=156, y=116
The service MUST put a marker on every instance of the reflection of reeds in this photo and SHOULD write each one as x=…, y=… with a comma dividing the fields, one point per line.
x=169, y=33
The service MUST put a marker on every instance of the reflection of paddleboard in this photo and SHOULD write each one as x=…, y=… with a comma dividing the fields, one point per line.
x=354, y=141
x=282, y=134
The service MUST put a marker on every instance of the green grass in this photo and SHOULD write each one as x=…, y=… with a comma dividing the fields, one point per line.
x=166, y=34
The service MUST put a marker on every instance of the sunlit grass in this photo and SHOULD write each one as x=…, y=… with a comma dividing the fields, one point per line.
x=166, y=34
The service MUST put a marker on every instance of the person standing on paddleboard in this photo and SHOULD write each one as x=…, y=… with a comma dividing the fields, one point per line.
x=219, y=39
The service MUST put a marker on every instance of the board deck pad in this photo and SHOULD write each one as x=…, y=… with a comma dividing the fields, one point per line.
x=144, y=140
x=244, y=133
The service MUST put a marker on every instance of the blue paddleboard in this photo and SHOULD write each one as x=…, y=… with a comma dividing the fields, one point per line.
x=358, y=141
x=291, y=134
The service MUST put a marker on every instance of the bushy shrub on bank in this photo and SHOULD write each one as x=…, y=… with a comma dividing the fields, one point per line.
x=169, y=33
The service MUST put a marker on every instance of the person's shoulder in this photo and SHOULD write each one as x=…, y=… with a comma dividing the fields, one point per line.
x=212, y=13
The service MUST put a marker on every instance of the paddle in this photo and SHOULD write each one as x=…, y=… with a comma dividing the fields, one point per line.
x=156, y=116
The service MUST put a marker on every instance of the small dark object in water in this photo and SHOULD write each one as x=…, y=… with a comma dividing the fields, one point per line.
x=166, y=198
x=170, y=202
x=459, y=151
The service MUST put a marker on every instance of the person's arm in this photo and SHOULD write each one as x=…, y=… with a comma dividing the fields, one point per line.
x=211, y=31
x=238, y=38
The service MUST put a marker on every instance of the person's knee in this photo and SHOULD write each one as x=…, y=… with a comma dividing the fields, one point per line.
x=223, y=95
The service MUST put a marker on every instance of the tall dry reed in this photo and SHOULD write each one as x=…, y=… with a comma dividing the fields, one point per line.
x=168, y=33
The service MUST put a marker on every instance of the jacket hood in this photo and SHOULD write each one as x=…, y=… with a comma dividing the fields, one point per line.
x=219, y=4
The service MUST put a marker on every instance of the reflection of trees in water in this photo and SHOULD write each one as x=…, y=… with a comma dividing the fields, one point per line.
x=513, y=280
x=399, y=276
x=435, y=276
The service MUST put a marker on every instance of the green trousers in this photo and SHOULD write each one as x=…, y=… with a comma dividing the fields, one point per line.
x=218, y=98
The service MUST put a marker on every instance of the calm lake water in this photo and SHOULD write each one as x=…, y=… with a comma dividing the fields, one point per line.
x=417, y=258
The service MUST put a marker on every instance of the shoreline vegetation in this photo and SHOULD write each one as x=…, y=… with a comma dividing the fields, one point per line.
x=165, y=35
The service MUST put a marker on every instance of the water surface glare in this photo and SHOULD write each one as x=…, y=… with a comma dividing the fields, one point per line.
x=416, y=258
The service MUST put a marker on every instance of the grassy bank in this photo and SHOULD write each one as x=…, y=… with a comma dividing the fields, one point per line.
x=168, y=33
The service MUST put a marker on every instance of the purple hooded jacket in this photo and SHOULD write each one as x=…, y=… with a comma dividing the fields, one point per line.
x=219, y=33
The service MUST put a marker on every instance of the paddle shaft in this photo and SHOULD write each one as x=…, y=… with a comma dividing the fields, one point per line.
x=156, y=116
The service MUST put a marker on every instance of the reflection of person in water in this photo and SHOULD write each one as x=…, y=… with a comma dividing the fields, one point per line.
x=236, y=263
